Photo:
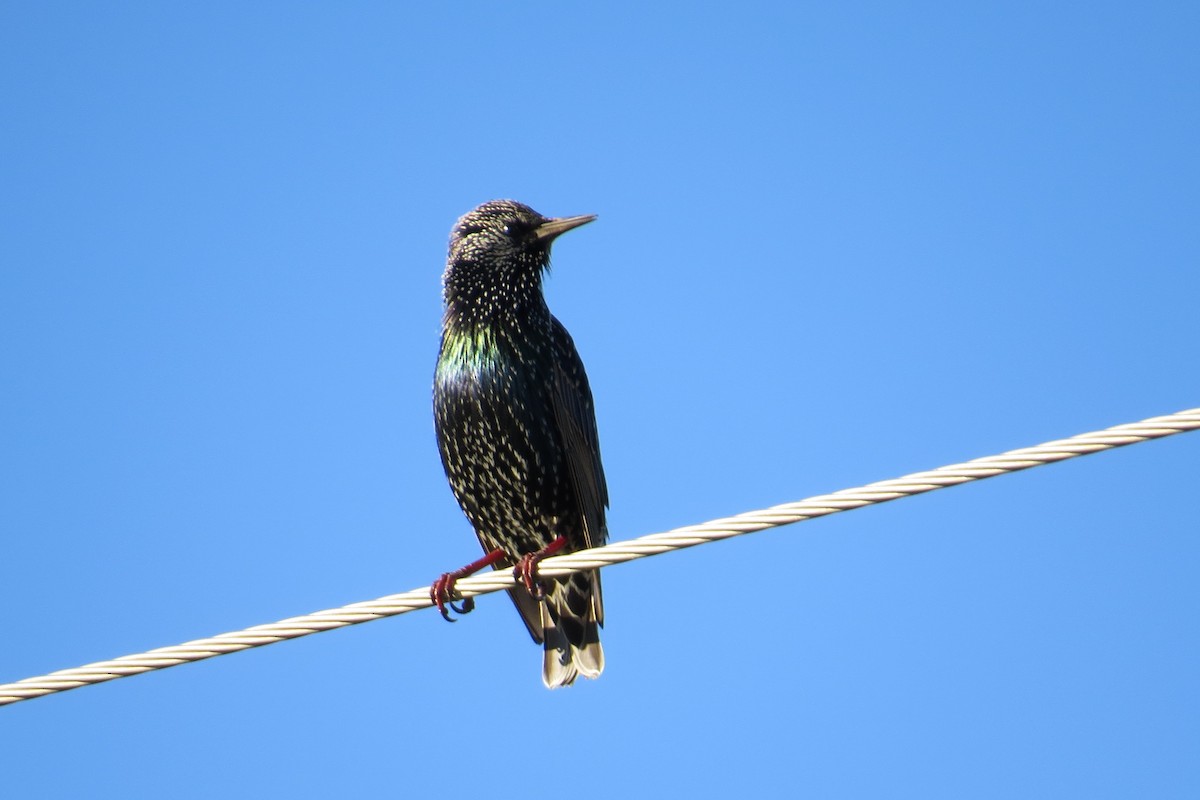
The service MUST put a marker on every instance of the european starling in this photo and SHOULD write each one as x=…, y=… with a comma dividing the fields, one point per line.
x=517, y=431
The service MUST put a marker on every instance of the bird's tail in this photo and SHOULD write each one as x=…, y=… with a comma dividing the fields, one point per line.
x=571, y=617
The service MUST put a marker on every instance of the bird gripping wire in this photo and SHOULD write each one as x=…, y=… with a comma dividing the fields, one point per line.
x=619, y=552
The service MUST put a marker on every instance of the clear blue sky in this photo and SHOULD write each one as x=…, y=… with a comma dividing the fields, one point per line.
x=837, y=243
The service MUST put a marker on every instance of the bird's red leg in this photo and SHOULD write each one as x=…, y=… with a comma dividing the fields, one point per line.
x=526, y=570
x=442, y=591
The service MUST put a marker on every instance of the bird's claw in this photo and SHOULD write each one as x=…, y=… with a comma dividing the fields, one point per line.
x=442, y=591
x=526, y=571
x=442, y=594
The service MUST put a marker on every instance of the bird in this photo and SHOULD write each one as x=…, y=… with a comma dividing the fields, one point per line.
x=516, y=430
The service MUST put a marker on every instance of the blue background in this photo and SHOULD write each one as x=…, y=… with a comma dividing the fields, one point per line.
x=836, y=244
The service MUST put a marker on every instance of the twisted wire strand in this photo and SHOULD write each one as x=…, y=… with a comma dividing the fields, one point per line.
x=617, y=553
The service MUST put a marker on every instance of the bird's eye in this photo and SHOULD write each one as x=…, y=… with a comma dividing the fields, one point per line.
x=515, y=229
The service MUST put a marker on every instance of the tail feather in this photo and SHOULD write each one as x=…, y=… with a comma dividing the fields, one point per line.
x=571, y=636
x=562, y=661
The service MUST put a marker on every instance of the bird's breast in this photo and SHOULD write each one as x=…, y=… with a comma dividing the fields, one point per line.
x=494, y=357
x=468, y=357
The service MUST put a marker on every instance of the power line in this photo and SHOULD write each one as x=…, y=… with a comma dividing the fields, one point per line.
x=617, y=553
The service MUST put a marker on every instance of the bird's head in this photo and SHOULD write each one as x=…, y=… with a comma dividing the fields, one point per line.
x=502, y=247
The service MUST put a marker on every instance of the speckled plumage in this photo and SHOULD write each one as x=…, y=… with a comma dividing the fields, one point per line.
x=515, y=423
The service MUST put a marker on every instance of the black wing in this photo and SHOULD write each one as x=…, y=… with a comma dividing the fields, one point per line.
x=576, y=420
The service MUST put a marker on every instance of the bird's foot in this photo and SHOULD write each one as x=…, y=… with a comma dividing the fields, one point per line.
x=526, y=571
x=443, y=594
